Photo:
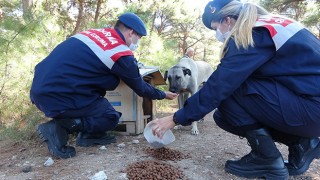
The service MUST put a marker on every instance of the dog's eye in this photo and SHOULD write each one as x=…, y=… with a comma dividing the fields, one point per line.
x=169, y=78
x=178, y=77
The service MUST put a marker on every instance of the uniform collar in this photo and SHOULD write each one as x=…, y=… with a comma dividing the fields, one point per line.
x=121, y=35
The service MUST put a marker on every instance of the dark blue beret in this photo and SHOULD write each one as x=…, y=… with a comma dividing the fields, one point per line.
x=133, y=21
x=211, y=12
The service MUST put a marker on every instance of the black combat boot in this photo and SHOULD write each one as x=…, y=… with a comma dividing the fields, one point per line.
x=301, y=154
x=302, y=151
x=55, y=134
x=85, y=139
x=264, y=160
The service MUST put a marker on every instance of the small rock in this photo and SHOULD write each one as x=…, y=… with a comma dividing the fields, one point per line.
x=27, y=169
x=56, y=172
x=207, y=157
x=103, y=148
x=101, y=175
x=49, y=162
x=122, y=176
x=122, y=145
x=26, y=163
x=135, y=141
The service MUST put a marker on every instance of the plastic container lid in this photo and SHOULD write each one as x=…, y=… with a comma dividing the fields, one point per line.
x=154, y=140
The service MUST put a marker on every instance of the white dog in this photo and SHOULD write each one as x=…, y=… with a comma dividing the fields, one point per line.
x=186, y=78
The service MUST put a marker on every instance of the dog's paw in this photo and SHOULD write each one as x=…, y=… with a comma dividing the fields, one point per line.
x=177, y=127
x=194, y=131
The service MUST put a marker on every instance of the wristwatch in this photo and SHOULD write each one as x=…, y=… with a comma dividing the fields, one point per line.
x=175, y=120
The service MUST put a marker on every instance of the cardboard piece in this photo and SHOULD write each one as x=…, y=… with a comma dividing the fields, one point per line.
x=154, y=72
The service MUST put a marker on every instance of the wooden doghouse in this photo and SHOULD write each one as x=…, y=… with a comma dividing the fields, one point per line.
x=136, y=111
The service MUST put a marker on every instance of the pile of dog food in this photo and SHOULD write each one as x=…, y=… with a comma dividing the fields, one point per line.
x=153, y=170
x=166, y=154
x=157, y=170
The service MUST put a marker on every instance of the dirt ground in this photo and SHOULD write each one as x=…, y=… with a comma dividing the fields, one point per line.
x=209, y=151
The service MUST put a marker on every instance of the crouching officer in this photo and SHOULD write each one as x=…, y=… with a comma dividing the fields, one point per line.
x=70, y=83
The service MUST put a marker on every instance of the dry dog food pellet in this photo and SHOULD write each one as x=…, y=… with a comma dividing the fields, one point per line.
x=153, y=170
x=166, y=154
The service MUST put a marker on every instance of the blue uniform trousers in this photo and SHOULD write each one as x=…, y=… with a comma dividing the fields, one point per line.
x=266, y=103
x=100, y=116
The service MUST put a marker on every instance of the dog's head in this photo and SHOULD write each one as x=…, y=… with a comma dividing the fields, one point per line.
x=178, y=78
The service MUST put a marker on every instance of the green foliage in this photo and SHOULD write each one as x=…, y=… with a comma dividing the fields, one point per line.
x=21, y=129
x=158, y=52
x=313, y=16
x=24, y=42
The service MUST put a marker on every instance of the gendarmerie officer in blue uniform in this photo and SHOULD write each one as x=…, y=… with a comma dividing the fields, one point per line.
x=266, y=88
x=69, y=85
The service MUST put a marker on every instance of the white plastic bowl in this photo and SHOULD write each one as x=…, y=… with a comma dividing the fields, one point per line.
x=154, y=140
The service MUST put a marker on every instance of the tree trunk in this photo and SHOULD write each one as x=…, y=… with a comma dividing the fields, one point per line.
x=204, y=54
x=26, y=6
x=97, y=13
x=80, y=17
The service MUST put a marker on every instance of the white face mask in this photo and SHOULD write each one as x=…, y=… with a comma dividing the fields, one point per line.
x=134, y=46
x=222, y=37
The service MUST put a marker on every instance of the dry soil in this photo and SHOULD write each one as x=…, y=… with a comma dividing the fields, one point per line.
x=208, y=152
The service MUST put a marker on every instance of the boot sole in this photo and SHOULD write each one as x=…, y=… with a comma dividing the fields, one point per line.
x=281, y=174
x=305, y=167
x=46, y=137
x=93, y=142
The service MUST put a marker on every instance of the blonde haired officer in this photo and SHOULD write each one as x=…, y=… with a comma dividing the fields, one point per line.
x=266, y=89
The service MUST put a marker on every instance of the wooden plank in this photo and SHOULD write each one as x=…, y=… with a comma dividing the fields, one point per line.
x=140, y=121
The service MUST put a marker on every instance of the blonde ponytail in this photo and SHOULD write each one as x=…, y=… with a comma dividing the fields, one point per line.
x=246, y=15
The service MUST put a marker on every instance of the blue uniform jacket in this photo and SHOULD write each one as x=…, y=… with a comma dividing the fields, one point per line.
x=296, y=65
x=72, y=77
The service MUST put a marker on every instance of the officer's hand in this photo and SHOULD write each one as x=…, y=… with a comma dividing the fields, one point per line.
x=170, y=95
x=160, y=126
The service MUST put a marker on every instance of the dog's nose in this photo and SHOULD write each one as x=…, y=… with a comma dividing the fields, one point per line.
x=173, y=89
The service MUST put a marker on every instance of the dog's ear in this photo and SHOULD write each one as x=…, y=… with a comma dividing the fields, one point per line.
x=165, y=76
x=187, y=71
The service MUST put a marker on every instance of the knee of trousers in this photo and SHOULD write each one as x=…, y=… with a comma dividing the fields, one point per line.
x=106, y=122
x=225, y=125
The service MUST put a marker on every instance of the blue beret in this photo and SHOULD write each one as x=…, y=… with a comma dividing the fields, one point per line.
x=133, y=21
x=211, y=12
